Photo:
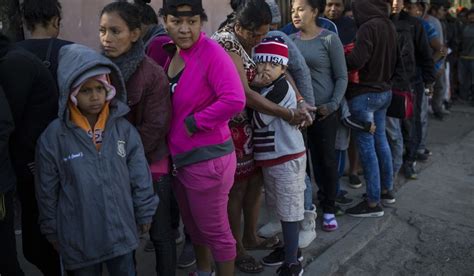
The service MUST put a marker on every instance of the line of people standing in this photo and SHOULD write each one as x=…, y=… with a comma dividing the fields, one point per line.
x=105, y=145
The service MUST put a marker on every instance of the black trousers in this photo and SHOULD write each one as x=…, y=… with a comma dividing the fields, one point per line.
x=321, y=142
x=162, y=231
x=36, y=248
x=9, y=265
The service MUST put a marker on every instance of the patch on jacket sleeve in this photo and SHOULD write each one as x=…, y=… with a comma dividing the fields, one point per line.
x=121, y=148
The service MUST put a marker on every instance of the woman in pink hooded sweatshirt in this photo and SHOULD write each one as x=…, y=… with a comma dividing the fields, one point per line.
x=206, y=93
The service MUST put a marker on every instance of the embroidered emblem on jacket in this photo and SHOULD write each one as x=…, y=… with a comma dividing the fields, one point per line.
x=121, y=148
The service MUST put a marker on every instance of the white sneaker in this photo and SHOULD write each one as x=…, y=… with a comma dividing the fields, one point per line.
x=308, y=228
x=270, y=229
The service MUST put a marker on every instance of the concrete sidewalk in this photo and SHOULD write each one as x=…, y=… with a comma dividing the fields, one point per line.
x=445, y=187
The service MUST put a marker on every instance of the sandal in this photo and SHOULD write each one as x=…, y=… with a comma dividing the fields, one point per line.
x=248, y=264
x=329, y=225
x=266, y=244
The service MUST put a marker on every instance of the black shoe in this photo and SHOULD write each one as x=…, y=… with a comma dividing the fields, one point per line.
x=422, y=156
x=290, y=270
x=277, y=257
x=428, y=152
x=388, y=197
x=438, y=116
x=409, y=170
x=354, y=181
x=343, y=200
x=339, y=212
x=363, y=210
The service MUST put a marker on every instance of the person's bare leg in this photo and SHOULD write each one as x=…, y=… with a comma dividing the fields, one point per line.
x=234, y=210
x=203, y=258
x=225, y=268
x=251, y=207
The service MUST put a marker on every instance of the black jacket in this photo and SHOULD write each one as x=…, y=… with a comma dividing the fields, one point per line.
x=33, y=100
x=7, y=176
x=375, y=52
x=423, y=52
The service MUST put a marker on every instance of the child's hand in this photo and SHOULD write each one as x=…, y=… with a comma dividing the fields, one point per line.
x=372, y=128
x=55, y=245
x=261, y=80
x=144, y=228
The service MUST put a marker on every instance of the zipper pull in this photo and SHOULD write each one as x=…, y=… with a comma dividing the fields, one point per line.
x=174, y=172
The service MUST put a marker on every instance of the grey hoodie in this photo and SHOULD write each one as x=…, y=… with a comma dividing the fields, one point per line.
x=91, y=201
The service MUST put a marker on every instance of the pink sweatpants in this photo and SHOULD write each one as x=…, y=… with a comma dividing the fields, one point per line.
x=202, y=191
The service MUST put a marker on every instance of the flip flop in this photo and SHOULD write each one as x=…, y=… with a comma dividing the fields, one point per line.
x=327, y=226
x=248, y=264
x=266, y=244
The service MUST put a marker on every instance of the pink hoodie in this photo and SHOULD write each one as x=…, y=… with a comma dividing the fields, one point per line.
x=209, y=93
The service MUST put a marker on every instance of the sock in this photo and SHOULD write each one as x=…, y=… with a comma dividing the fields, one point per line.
x=290, y=238
x=203, y=273
x=328, y=217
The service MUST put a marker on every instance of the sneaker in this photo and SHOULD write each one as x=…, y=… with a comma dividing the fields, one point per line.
x=277, y=257
x=363, y=210
x=339, y=212
x=195, y=273
x=178, y=237
x=354, y=181
x=428, y=152
x=422, y=156
x=290, y=270
x=388, y=197
x=438, y=116
x=187, y=257
x=270, y=229
x=409, y=171
x=343, y=200
x=149, y=246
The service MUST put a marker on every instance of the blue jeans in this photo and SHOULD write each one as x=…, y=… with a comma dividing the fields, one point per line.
x=374, y=151
x=395, y=139
x=341, y=160
x=118, y=266
x=308, y=193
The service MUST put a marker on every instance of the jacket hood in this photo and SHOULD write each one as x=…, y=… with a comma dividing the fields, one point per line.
x=365, y=10
x=76, y=61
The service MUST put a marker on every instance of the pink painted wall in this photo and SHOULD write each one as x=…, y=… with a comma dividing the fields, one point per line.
x=80, y=21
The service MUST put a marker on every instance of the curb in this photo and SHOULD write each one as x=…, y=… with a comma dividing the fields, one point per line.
x=344, y=249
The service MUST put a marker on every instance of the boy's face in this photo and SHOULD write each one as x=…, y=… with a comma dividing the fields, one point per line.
x=91, y=97
x=272, y=70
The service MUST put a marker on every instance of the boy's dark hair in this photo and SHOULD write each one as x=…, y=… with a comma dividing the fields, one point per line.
x=250, y=14
x=317, y=4
x=128, y=12
x=39, y=12
x=148, y=15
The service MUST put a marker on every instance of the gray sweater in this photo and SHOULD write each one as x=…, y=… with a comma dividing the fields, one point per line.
x=274, y=137
x=297, y=68
x=324, y=56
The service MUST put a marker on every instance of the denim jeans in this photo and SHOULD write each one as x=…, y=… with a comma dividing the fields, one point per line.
x=466, y=78
x=162, y=232
x=308, y=193
x=418, y=123
x=341, y=161
x=395, y=140
x=374, y=151
x=118, y=266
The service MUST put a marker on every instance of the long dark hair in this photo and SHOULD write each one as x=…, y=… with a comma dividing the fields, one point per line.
x=148, y=14
x=128, y=12
x=39, y=12
x=250, y=14
x=317, y=4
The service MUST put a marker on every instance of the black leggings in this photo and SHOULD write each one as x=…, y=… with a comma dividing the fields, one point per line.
x=321, y=142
